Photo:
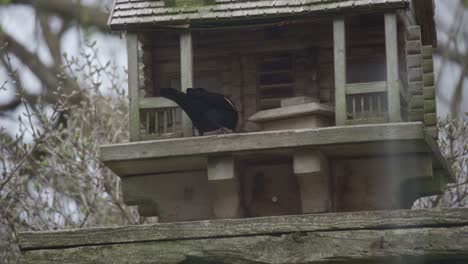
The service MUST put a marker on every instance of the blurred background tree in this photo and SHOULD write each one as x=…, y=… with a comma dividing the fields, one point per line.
x=60, y=99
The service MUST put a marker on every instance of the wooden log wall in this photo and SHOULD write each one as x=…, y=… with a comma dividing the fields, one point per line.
x=414, y=73
x=430, y=113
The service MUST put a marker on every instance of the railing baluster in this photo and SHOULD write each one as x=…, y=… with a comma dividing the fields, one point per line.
x=379, y=104
x=156, y=122
x=147, y=122
x=371, y=102
x=362, y=107
x=353, y=99
x=173, y=110
x=165, y=121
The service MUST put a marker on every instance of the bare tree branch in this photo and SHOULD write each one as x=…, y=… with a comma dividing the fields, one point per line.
x=49, y=76
x=87, y=16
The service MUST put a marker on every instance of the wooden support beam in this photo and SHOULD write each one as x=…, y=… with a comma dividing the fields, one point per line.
x=393, y=86
x=156, y=102
x=133, y=86
x=186, y=75
x=363, y=88
x=224, y=187
x=419, y=245
x=218, y=228
x=312, y=171
x=361, y=237
x=339, y=53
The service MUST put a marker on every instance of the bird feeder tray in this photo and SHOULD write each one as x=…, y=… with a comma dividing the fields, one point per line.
x=295, y=113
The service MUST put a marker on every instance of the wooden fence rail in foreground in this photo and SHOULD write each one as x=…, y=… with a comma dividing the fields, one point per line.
x=401, y=235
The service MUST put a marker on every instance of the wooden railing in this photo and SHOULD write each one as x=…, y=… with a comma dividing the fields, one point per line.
x=366, y=102
x=159, y=118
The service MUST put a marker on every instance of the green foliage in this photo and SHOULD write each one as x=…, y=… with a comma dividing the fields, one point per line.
x=5, y=2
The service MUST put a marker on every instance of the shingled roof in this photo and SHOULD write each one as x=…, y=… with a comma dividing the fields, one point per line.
x=137, y=14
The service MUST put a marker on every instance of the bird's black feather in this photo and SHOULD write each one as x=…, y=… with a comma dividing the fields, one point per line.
x=208, y=111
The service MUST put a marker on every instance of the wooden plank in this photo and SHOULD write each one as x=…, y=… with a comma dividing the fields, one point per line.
x=393, y=86
x=413, y=47
x=414, y=61
x=430, y=106
x=414, y=245
x=428, y=79
x=156, y=102
x=429, y=93
x=260, y=141
x=416, y=115
x=339, y=53
x=244, y=227
x=415, y=75
x=363, y=88
x=417, y=101
x=292, y=111
x=133, y=86
x=428, y=66
x=430, y=119
x=413, y=33
x=186, y=75
x=415, y=88
x=426, y=52
x=366, y=120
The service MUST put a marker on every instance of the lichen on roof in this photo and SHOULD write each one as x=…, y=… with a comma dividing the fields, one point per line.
x=135, y=14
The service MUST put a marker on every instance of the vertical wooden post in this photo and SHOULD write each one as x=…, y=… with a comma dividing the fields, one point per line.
x=225, y=187
x=186, y=75
x=339, y=52
x=312, y=171
x=133, y=86
x=393, y=87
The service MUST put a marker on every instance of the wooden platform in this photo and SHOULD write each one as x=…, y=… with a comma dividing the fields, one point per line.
x=400, y=236
x=187, y=154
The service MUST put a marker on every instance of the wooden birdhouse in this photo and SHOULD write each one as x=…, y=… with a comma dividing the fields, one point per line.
x=336, y=109
x=335, y=100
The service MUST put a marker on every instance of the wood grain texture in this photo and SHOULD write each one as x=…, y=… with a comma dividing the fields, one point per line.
x=186, y=75
x=339, y=55
x=244, y=227
x=259, y=141
x=393, y=85
x=363, y=246
x=156, y=102
x=133, y=86
x=362, y=88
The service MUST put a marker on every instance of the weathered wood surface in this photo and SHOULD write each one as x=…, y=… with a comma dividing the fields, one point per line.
x=244, y=227
x=145, y=14
x=185, y=154
x=293, y=111
x=362, y=88
x=186, y=75
x=327, y=238
x=133, y=86
x=393, y=84
x=156, y=102
x=339, y=57
x=261, y=141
